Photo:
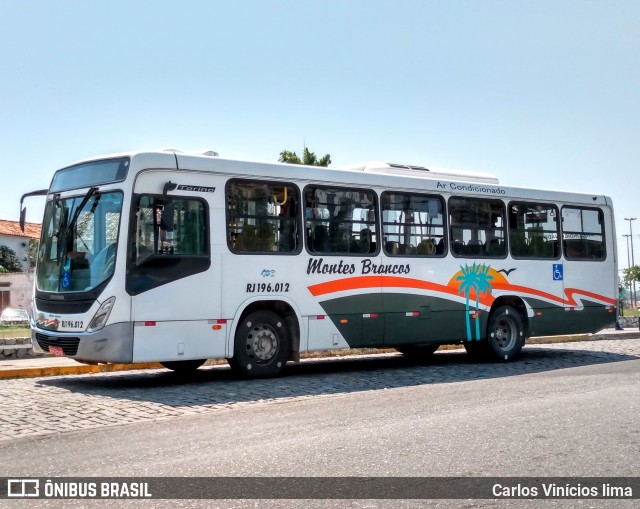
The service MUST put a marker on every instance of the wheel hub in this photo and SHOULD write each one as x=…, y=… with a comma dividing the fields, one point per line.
x=263, y=342
x=503, y=335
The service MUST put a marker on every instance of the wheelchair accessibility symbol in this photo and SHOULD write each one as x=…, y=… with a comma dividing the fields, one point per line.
x=557, y=272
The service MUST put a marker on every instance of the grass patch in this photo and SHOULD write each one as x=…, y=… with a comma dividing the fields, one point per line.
x=9, y=331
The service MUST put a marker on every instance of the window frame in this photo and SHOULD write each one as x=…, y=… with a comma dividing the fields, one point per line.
x=602, y=233
x=166, y=267
x=444, y=226
x=296, y=217
x=504, y=228
x=375, y=222
x=558, y=230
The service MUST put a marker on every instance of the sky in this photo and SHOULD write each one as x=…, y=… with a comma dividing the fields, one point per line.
x=541, y=93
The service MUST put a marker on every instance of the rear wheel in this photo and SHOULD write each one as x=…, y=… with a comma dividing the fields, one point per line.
x=505, y=337
x=261, y=345
x=505, y=333
x=184, y=366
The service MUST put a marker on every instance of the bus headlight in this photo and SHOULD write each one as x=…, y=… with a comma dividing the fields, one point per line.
x=102, y=315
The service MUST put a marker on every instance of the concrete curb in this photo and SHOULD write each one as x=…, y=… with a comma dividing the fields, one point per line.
x=80, y=369
x=583, y=337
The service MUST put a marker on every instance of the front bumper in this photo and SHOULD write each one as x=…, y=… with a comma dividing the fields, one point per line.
x=113, y=343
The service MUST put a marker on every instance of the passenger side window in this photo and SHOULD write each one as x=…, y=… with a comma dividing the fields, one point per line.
x=262, y=217
x=169, y=227
x=533, y=230
x=169, y=241
x=583, y=233
x=412, y=224
x=477, y=227
x=340, y=221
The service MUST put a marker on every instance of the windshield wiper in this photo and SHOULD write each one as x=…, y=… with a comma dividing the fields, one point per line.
x=76, y=214
x=64, y=247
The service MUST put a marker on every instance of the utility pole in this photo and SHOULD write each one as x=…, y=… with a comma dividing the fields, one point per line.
x=629, y=265
x=633, y=262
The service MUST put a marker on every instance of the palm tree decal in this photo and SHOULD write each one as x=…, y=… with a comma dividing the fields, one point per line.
x=478, y=279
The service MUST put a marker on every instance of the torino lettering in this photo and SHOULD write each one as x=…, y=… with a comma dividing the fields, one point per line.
x=197, y=189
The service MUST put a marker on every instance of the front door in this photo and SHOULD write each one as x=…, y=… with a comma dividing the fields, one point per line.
x=171, y=273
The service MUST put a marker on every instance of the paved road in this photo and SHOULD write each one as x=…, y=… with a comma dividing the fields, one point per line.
x=565, y=410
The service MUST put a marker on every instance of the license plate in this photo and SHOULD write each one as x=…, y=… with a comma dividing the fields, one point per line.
x=56, y=351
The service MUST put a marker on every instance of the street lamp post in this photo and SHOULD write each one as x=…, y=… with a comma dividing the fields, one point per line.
x=633, y=262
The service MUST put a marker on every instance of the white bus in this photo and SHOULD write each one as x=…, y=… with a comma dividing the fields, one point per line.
x=177, y=258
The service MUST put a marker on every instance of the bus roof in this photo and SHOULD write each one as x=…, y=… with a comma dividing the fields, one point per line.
x=378, y=173
x=422, y=172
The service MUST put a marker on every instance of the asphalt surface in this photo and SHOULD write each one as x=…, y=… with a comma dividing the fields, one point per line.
x=566, y=409
x=41, y=406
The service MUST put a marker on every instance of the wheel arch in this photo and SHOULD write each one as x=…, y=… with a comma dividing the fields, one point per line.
x=515, y=302
x=283, y=307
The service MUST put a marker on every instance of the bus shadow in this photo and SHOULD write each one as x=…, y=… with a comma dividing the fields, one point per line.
x=219, y=386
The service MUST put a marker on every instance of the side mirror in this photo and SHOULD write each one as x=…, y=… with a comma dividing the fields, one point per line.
x=166, y=219
x=23, y=210
x=23, y=215
x=169, y=186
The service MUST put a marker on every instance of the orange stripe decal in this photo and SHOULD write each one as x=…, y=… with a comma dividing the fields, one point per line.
x=342, y=285
x=363, y=282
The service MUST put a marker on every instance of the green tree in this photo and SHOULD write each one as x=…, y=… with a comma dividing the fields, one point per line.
x=9, y=260
x=32, y=252
x=309, y=158
x=631, y=274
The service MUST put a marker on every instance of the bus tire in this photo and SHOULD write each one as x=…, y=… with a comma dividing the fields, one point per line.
x=505, y=333
x=418, y=352
x=261, y=345
x=184, y=366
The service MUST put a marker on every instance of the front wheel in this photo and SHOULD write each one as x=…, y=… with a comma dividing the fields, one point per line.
x=505, y=333
x=261, y=345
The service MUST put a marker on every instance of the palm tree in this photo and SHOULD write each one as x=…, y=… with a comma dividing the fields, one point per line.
x=474, y=278
x=483, y=286
x=309, y=158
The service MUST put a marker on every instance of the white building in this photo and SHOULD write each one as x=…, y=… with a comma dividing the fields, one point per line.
x=16, y=288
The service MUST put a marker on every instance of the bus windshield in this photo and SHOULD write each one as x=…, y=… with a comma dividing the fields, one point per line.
x=78, y=243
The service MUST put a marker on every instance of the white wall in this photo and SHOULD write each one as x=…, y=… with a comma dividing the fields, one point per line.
x=21, y=289
x=16, y=243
